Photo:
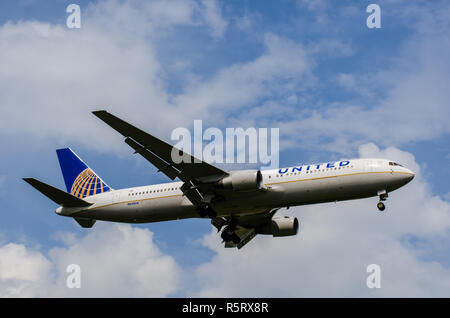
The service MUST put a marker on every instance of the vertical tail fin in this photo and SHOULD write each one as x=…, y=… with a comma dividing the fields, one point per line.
x=81, y=181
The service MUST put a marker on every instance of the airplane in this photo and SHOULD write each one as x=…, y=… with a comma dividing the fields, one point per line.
x=240, y=204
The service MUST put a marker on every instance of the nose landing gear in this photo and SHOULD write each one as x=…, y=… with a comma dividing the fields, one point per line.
x=383, y=196
x=381, y=206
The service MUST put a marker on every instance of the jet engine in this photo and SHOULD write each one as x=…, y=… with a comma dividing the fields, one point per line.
x=280, y=226
x=242, y=180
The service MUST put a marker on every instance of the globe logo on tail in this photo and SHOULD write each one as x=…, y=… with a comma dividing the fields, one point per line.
x=88, y=183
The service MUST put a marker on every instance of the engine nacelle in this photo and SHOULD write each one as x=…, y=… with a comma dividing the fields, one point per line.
x=280, y=226
x=242, y=180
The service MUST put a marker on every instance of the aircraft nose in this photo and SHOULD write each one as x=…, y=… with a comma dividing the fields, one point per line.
x=409, y=175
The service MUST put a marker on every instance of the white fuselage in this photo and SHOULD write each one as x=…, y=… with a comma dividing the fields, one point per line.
x=300, y=185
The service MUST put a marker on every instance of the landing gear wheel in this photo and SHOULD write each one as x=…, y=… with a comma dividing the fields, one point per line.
x=381, y=206
x=236, y=239
x=226, y=237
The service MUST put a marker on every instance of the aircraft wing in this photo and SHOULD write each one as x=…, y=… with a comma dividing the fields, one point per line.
x=192, y=171
x=159, y=153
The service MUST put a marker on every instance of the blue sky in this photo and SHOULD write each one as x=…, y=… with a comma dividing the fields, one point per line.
x=335, y=89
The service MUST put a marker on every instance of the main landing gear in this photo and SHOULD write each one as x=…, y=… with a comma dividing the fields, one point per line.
x=383, y=196
x=228, y=234
x=206, y=211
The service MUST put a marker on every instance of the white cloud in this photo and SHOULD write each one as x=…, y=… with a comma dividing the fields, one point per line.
x=404, y=100
x=335, y=245
x=57, y=76
x=23, y=272
x=67, y=76
x=115, y=260
x=447, y=196
x=213, y=17
x=150, y=18
x=242, y=85
x=428, y=18
x=407, y=103
x=347, y=81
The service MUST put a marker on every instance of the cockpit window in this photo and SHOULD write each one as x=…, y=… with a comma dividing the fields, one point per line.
x=394, y=164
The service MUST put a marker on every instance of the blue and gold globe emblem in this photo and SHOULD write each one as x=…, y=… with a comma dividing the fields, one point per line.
x=88, y=183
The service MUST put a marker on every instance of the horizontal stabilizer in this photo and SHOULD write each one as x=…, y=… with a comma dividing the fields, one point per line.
x=56, y=195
